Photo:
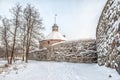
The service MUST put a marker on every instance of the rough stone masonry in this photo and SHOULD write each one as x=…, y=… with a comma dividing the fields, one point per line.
x=108, y=35
x=83, y=51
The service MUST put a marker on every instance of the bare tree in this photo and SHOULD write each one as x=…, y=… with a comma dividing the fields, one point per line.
x=23, y=40
x=33, y=25
x=25, y=29
x=5, y=36
x=16, y=23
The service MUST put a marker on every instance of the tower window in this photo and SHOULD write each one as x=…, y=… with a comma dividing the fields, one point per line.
x=48, y=42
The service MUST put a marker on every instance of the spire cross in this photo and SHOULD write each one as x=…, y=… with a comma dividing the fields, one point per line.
x=55, y=18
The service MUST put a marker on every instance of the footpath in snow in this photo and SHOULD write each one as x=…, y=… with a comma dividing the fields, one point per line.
x=36, y=70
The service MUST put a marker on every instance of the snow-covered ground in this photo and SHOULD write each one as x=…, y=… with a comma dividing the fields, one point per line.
x=36, y=70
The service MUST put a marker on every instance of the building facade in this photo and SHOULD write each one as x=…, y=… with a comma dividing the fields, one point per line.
x=54, y=37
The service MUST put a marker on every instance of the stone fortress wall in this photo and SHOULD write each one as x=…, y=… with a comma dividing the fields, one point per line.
x=108, y=35
x=83, y=51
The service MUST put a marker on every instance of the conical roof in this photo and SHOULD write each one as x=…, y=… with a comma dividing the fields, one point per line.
x=55, y=35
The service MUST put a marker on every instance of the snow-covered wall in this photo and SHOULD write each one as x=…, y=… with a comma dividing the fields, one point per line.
x=108, y=35
x=69, y=51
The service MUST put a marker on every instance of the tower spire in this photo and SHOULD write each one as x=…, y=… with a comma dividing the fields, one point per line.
x=55, y=18
x=55, y=27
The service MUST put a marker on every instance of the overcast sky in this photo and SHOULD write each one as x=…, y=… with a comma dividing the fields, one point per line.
x=77, y=19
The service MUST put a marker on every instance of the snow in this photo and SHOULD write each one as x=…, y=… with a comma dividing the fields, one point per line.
x=37, y=70
x=55, y=35
x=118, y=48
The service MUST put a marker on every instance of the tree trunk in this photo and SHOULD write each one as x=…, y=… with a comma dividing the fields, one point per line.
x=13, y=47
